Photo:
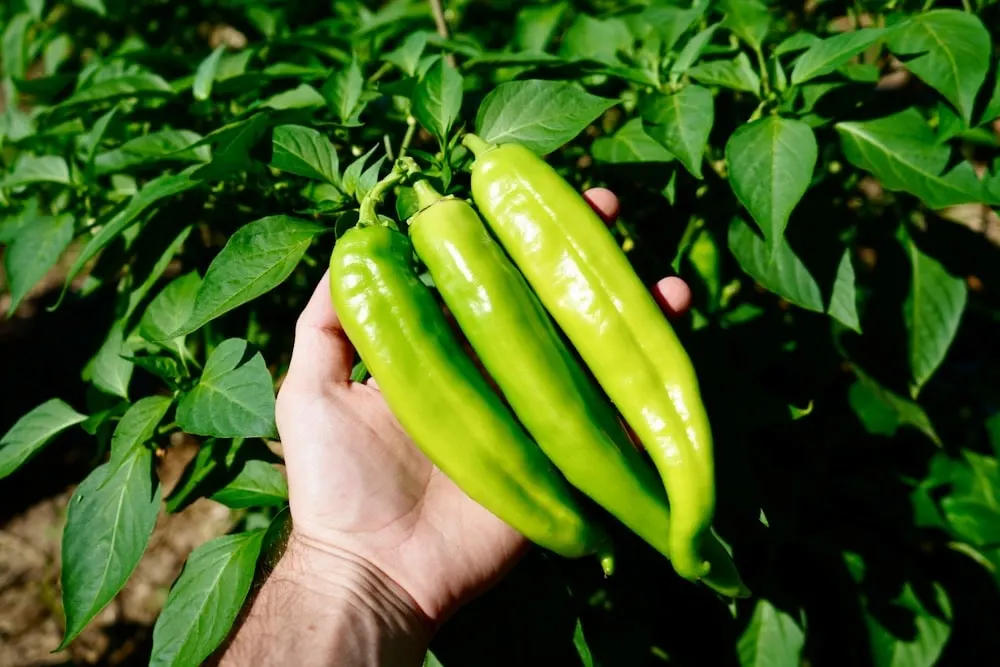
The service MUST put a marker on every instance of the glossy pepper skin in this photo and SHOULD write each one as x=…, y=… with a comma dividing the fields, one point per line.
x=517, y=343
x=586, y=283
x=442, y=401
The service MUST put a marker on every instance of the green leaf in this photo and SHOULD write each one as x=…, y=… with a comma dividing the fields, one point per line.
x=681, y=122
x=992, y=110
x=541, y=115
x=771, y=163
x=137, y=427
x=844, y=300
x=90, y=142
x=826, y=56
x=666, y=23
x=797, y=41
x=883, y=413
x=952, y=53
x=590, y=38
x=343, y=92
x=152, y=148
x=692, y=50
x=974, y=521
x=33, y=431
x=748, y=19
x=151, y=194
x=737, y=74
x=782, y=273
x=204, y=77
x=772, y=638
x=156, y=268
x=170, y=310
x=110, y=371
x=437, y=99
x=536, y=25
x=921, y=644
x=233, y=398
x=630, y=144
x=35, y=249
x=96, y=6
x=407, y=55
x=302, y=96
x=108, y=524
x=205, y=600
x=430, y=660
x=234, y=153
x=107, y=90
x=255, y=260
x=37, y=169
x=581, y=646
x=258, y=484
x=902, y=152
x=305, y=152
x=352, y=175
x=933, y=310
x=14, y=45
x=164, y=367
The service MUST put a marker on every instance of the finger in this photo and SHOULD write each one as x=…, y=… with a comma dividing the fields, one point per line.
x=322, y=352
x=604, y=202
x=674, y=296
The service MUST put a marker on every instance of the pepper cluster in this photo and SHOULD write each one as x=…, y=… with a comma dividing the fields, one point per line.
x=550, y=272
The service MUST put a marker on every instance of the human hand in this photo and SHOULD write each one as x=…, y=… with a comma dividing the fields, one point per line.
x=365, y=500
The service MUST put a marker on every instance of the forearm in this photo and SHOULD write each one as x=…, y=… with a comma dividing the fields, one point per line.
x=317, y=608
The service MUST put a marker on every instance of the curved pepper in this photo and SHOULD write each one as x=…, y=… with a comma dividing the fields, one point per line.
x=441, y=399
x=585, y=281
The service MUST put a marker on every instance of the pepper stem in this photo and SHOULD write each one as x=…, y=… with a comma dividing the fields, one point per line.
x=475, y=144
x=426, y=194
x=367, y=215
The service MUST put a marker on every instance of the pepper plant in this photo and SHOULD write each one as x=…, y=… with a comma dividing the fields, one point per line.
x=825, y=176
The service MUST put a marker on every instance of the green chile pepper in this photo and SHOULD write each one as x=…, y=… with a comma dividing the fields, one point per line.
x=443, y=401
x=585, y=281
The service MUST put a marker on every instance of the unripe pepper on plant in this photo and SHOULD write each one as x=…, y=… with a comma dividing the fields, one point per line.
x=439, y=396
x=585, y=281
x=551, y=394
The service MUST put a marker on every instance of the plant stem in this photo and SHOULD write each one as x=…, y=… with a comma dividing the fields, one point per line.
x=411, y=128
x=367, y=215
x=765, y=76
x=380, y=72
x=442, y=26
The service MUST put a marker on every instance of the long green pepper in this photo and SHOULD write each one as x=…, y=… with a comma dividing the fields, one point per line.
x=586, y=283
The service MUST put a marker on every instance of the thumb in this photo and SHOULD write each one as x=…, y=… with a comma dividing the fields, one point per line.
x=322, y=353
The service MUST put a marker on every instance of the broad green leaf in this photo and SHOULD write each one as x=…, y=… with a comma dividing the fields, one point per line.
x=737, y=74
x=437, y=99
x=949, y=50
x=37, y=169
x=90, y=142
x=164, y=367
x=902, y=152
x=258, y=484
x=590, y=38
x=883, y=413
x=666, y=23
x=205, y=600
x=407, y=55
x=826, y=56
x=844, y=300
x=169, y=310
x=772, y=638
x=352, y=175
x=255, y=260
x=37, y=247
x=628, y=145
x=992, y=110
x=137, y=427
x=343, y=92
x=797, y=41
x=131, y=85
x=156, y=269
x=782, y=273
x=921, y=644
x=681, y=122
x=771, y=163
x=536, y=25
x=204, y=77
x=692, y=50
x=368, y=178
x=233, y=398
x=749, y=19
x=14, y=45
x=235, y=144
x=151, y=194
x=933, y=310
x=110, y=371
x=541, y=115
x=430, y=660
x=302, y=96
x=12, y=224
x=33, y=431
x=152, y=148
x=305, y=152
x=973, y=520
x=110, y=518
x=705, y=257
x=96, y=6
x=56, y=53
